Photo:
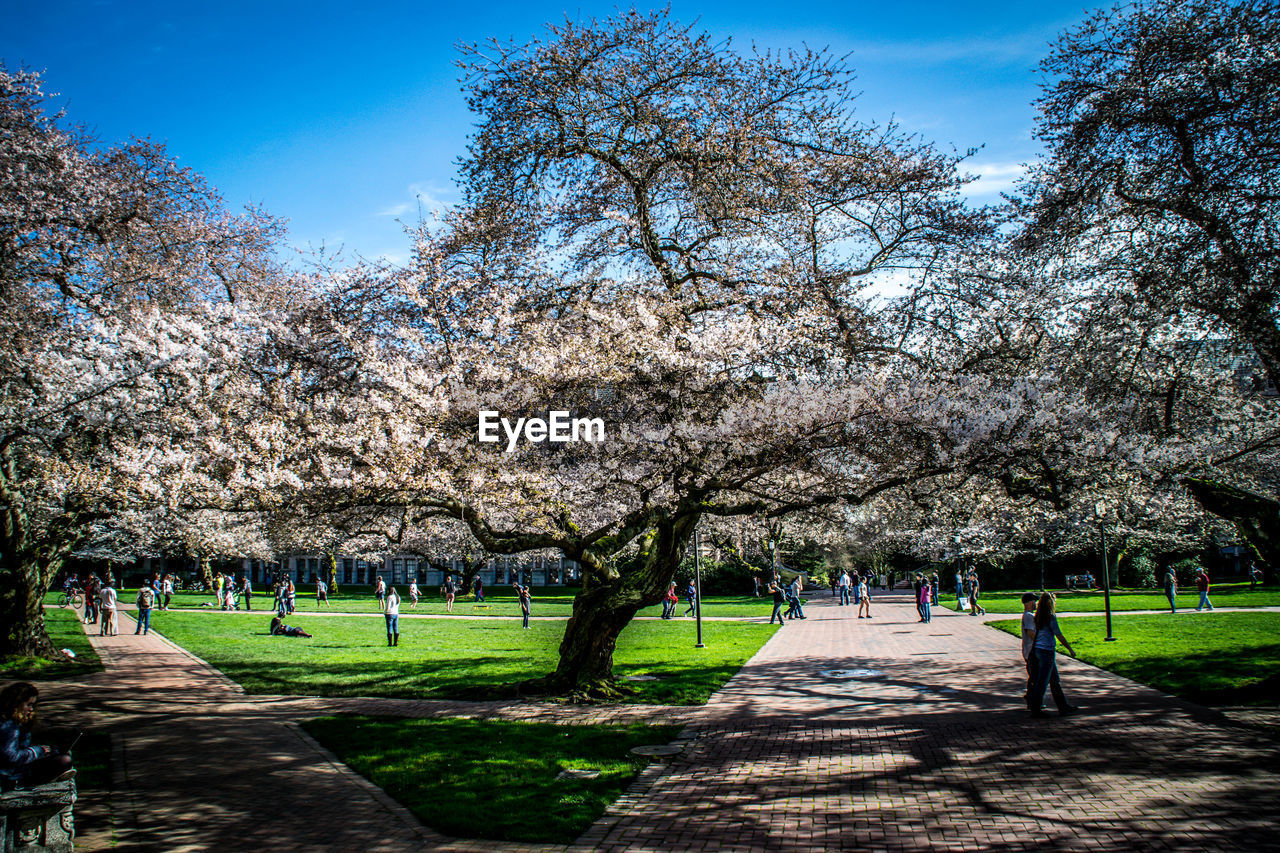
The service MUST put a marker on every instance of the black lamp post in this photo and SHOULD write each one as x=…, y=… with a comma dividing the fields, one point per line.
x=697, y=588
x=1042, y=564
x=1100, y=511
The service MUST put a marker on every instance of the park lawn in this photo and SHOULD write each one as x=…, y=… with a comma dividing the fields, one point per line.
x=1225, y=595
x=499, y=601
x=451, y=658
x=493, y=779
x=63, y=625
x=1210, y=658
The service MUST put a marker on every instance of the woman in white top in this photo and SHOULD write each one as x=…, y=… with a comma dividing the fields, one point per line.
x=864, y=599
x=393, y=617
x=413, y=593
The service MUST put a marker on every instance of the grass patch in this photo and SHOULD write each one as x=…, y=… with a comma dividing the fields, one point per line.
x=490, y=778
x=499, y=601
x=1224, y=595
x=453, y=658
x=64, y=630
x=1212, y=658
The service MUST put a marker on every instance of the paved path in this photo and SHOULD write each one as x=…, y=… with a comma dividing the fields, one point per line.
x=840, y=734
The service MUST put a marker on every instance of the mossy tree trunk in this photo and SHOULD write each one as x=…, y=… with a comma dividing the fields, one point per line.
x=30, y=558
x=610, y=598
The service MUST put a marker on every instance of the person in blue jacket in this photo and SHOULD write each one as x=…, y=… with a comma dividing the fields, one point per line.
x=22, y=764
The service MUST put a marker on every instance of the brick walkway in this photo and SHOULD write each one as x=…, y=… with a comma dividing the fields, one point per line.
x=878, y=734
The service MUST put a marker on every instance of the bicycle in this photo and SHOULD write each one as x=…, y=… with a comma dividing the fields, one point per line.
x=75, y=599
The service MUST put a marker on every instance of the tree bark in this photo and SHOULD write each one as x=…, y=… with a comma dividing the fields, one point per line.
x=23, y=585
x=1257, y=517
x=607, y=605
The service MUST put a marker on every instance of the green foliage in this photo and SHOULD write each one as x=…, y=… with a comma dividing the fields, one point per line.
x=1185, y=570
x=1212, y=658
x=1138, y=572
x=727, y=577
x=492, y=778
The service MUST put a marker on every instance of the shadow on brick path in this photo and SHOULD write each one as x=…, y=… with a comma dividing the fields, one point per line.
x=839, y=734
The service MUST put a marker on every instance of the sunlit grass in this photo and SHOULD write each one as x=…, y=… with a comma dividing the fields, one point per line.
x=1212, y=658
x=490, y=778
x=451, y=658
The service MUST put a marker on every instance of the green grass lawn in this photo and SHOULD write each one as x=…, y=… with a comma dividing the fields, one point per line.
x=456, y=658
x=499, y=601
x=65, y=632
x=490, y=778
x=1211, y=658
x=1224, y=595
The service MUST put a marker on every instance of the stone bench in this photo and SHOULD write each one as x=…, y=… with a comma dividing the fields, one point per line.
x=39, y=819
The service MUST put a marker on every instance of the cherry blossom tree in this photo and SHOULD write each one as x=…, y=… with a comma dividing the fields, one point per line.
x=683, y=242
x=118, y=277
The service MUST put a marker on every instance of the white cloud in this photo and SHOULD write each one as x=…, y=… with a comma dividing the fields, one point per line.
x=426, y=200
x=993, y=178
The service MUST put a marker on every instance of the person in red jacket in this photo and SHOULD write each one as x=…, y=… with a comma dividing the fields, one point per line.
x=1202, y=584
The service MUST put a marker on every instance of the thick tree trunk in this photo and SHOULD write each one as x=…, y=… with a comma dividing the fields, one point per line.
x=206, y=571
x=1257, y=517
x=607, y=605
x=22, y=589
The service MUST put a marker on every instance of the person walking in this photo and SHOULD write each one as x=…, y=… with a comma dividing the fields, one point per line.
x=322, y=593
x=450, y=592
x=975, y=609
x=935, y=587
x=691, y=596
x=246, y=592
x=960, y=602
x=864, y=599
x=1044, y=646
x=146, y=598
x=413, y=593
x=523, y=593
x=92, y=587
x=844, y=583
x=479, y=588
x=1171, y=589
x=917, y=584
x=290, y=596
x=795, y=608
x=107, y=602
x=1030, y=661
x=926, y=599
x=778, y=600
x=1202, y=584
x=392, y=613
x=670, y=601
x=380, y=592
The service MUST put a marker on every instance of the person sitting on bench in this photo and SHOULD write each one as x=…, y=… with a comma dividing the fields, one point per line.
x=21, y=764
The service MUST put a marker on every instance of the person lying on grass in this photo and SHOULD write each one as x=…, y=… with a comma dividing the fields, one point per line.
x=279, y=629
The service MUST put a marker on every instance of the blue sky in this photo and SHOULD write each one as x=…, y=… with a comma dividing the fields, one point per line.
x=344, y=118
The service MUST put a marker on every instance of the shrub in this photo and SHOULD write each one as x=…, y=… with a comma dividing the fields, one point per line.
x=1139, y=572
x=1185, y=571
